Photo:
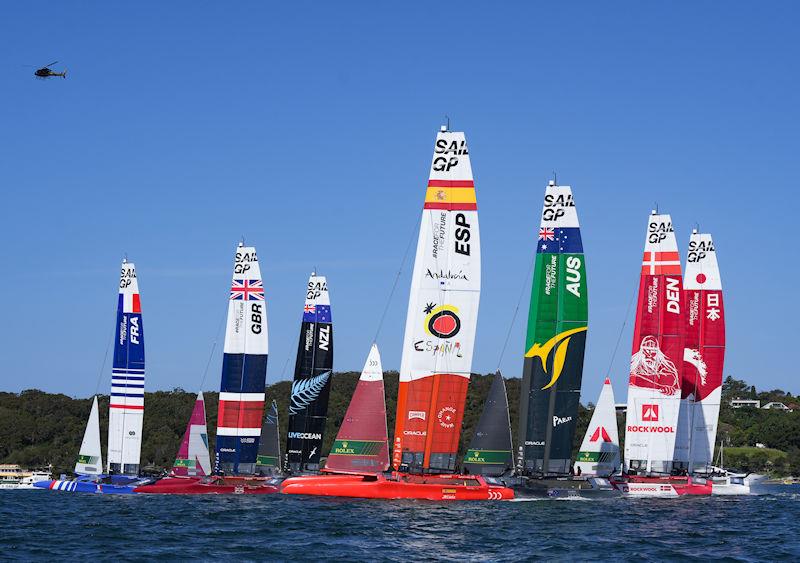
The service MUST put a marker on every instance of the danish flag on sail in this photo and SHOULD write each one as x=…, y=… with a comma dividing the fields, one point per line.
x=654, y=388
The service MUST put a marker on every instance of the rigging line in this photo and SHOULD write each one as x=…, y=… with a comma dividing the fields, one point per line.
x=214, y=346
x=516, y=311
x=394, y=284
x=105, y=358
x=621, y=330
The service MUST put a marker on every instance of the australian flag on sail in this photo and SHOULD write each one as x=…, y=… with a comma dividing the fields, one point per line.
x=316, y=313
x=559, y=240
x=247, y=290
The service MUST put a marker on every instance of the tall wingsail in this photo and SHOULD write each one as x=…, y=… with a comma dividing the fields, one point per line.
x=489, y=451
x=703, y=354
x=193, y=458
x=244, y=368
x=599, y=453
x=308, y=406
x=442, y=315
x=361, y=446
x=90, y=458
x=269, y=450
x=555, y=343
x=654, y=387
x=127, y=379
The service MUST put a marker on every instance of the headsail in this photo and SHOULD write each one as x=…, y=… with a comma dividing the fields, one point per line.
x=269, y=451
x=599, y=453
x=193, y=458
x=654, y=387
x=308, y=406
x=442, y=315
x=361, y=446
x=489, y=451
x=90, y=458
x=244, y=368
x=127, y=379
x=555, y=343
x=703, y=355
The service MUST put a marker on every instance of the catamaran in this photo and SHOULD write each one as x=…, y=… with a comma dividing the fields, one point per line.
x=554, y=349
x=241, y=397
x=308, y=404
x=360, y=452
x=438, y=344
x=126, y=407
x=656, y=374
x=703, y=359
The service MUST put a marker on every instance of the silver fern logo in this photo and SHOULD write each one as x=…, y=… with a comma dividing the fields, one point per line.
x=305, y=391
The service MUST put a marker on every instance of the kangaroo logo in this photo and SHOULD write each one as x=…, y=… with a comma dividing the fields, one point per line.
x=561, y=343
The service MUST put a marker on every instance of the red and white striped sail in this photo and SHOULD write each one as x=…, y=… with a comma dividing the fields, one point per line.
x=193, y=458
x=654, y=386
x=703, y=356
x=361, y=446
x=442, y=315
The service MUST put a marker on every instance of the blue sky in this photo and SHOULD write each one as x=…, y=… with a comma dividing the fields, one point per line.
x=308, y=128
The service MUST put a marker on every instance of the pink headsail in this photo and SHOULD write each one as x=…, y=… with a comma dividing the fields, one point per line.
x=193, y=458
x=361, y=446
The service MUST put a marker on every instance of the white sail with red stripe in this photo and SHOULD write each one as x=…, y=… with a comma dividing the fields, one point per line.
x=654, y=386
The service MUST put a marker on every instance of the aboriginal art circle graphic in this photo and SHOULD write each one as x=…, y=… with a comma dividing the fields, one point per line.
x=652, y=369
x=442, y=321
x=447, y=417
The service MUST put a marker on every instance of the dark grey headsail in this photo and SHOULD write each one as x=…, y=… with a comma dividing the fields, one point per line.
x=489, y=451
x=269, y=449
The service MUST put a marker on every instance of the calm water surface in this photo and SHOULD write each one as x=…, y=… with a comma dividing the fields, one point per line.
x=59, y=526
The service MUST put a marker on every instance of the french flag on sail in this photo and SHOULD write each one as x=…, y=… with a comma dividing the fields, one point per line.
x=129, y=303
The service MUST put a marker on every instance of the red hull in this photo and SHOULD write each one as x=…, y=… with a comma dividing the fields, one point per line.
x=208, y=486
x=398, y=486
x=667, y=487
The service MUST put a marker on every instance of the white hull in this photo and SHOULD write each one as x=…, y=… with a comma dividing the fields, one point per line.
x=730, y=485
x=648, y=490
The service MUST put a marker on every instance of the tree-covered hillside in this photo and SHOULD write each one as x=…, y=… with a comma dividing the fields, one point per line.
x=37, y=428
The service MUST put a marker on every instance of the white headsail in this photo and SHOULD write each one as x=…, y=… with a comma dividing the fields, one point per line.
x=599, y=453
x=90, y=458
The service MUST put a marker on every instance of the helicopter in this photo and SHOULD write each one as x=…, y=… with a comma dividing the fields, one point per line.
x=45, y=72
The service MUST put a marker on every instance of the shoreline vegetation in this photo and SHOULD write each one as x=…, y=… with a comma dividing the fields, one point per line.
x=39, y=428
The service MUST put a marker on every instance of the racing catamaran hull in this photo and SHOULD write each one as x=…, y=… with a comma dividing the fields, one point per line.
x=398, y=486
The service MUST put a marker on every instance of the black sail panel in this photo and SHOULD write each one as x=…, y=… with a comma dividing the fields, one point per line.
x=308, y=406
x=489, y=451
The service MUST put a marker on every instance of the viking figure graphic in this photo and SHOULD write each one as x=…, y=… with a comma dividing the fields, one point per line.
x=651, y=369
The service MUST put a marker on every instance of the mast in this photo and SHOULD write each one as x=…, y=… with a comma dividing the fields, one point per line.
x=361, y=446
x=489, y=451
x=90, y=457
x=308, y=406
x=193, y=458
x=599, y=452
x=654, y=387
x=244, y=368
x=126, y=406
x=442, y=315
x=555, y=343
x=703, y=355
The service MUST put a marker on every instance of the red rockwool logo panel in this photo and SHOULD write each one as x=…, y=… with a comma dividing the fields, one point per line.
x=649, y=413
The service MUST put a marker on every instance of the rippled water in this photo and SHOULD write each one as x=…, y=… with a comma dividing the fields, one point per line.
x=58, y=526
